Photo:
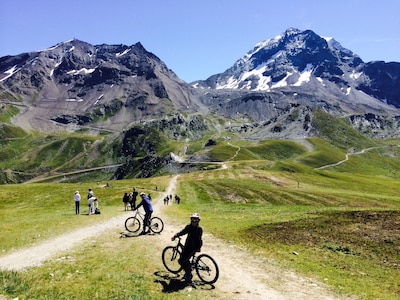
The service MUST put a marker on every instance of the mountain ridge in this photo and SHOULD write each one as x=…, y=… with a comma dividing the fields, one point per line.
x=74, y=84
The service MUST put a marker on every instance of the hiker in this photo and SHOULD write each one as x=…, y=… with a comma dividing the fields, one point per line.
x=192, y=245
x=91, y=205
x=125, y=199
x=77, y=199
x=90, y=197
x=90, y=193
x=132, y=199
x=177, y=199
x=166, y=200
x=148, y=208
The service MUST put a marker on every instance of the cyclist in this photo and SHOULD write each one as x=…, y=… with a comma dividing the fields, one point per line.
x=148, y=208
x=193, y=244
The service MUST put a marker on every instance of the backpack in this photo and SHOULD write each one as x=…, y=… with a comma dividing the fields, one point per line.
x=97, y=211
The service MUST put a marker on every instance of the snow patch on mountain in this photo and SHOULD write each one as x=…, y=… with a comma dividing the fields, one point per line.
x=355, y=75
x=123, y=53
x=305, y=75
x=82, y=71
x=10, y=72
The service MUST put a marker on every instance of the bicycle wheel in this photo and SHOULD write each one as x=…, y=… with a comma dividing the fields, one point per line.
x=170, y=259
x=156, y=225
x=132, y=224
x=207, y=269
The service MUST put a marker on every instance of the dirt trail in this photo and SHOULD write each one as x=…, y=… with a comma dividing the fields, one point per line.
x=36, y=255
x=241, y=275
x=244, y=277
x=346, y=158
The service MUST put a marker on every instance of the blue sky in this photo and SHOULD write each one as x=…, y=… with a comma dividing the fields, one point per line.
x=197, y=39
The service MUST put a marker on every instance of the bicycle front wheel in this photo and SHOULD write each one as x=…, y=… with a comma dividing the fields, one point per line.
x=207, y=269
x=156, y=225
x=170, y=259
x=132, y=224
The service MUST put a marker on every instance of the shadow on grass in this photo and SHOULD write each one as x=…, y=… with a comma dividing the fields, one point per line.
x=126, y=234
x=172, y=283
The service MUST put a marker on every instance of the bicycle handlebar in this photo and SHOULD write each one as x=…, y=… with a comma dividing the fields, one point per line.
x=176, y=237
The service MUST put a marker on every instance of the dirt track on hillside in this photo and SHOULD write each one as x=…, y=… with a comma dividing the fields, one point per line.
x=242, y=276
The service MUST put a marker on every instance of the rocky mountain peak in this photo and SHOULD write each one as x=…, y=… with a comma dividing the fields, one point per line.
x=302, y=61
x=74, y=84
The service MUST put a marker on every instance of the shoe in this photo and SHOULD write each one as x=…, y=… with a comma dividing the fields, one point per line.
x=188, y=278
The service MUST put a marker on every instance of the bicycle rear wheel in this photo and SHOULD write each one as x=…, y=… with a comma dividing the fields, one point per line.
x=170, y=259
x=156, y=225
x=132, y=224
x=207, y=269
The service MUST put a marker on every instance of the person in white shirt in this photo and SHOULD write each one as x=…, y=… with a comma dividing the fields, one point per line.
x=77, y=199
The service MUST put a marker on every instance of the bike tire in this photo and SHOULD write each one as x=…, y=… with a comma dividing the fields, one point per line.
x=132, y=224
x=207, y=269
x=156, y=225
x=170, y=259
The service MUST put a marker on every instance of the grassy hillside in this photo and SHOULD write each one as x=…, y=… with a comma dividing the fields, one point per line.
x=338, y=224
x=36, y=154
x=337, y=132
x=338, y=227
x=341, y=228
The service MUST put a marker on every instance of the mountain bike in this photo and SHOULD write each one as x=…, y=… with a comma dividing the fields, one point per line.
x=205, y=266
x=133, y=224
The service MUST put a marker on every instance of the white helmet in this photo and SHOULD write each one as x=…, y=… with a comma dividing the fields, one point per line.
x=195, y=216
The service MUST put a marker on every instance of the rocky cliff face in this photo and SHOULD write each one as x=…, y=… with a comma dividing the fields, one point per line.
x=75, y=83
x=381, y=80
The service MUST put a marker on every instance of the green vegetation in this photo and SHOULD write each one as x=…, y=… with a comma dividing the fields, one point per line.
x=337, y=132
x=7, y=112
x=343, y=228
x=339, y=225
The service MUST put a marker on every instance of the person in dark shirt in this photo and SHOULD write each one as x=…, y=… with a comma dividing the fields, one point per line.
x=132, y=199
x=125, y=199
x=148, y=208
x=193, y=244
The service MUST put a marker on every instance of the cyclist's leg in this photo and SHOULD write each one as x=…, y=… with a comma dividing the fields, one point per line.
x=146, y=221
x=185, y=263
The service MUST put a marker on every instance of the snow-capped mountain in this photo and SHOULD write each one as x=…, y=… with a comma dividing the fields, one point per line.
x=271, y=90
x=303, y=60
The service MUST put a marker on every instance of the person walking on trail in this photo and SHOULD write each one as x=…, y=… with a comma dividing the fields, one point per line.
x=77, y=199
x=132, y=199
x=192, y=245
x=166, y=200
x=148, y=208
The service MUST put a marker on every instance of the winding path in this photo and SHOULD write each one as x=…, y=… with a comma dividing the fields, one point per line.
x=346, y=159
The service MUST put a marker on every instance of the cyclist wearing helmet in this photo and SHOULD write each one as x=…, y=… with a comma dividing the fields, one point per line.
x=193, y=244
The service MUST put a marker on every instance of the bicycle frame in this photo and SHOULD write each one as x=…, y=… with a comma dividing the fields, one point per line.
x=156, y=225
x=205, y=266
x=138, y=213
